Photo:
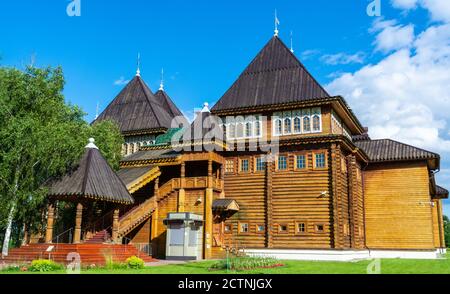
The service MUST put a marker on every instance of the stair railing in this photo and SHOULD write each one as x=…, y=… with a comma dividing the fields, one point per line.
x=58, y=237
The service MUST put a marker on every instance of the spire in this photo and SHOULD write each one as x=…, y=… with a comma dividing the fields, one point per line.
x=91, y=144
x=161, y=85
x=138, y=71
x=292, y=43
x=96, y=111
x=277, y=22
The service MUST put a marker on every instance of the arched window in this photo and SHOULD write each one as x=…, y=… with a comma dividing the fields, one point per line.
x=297, y=125
x=248, y=129
x=316, y=123
x=306, y=124
x=232, y=131
x=239, y=130
x=278, y=127
x=287, y=125
x=257, y=128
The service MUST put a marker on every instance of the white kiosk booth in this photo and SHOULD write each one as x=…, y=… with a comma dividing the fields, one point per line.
x=184, y=238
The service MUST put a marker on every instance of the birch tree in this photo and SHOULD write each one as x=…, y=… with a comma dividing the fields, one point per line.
x=41, y=137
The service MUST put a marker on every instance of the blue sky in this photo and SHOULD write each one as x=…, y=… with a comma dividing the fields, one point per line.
x=393, y=69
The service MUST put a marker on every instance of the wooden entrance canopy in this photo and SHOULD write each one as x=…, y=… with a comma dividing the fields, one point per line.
x=91, y=180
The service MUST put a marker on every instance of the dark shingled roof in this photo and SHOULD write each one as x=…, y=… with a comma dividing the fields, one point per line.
x=137, y=109
x=92, y=178
x=275, y=76
x=130, y=174
x=390, y=150
x=167, y=103
x=441, y=192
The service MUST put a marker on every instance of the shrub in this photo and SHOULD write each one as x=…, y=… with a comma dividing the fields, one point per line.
x=44, y=265
x=135, y=262
x=246, y=263
x=112, y=265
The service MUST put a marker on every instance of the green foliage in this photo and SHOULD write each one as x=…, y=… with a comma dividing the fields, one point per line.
x=447, y=231
x=44, y=265
x=245, y=263
x=135, y=262
x=41, y=138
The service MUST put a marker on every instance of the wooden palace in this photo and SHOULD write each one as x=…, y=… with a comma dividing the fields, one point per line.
x=277, y=167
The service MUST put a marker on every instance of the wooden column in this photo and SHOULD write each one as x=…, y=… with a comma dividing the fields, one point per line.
x=182, y=192
x=115, y=228
x=50, y=221
x=352, y=203
x=270, y=165
x=78, y=220
x=208, y=217
x=222, y=181
x=333, y=163
x=155, y=218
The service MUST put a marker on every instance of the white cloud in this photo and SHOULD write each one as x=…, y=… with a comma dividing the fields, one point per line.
x=439, y=9
x=404, y=4
x=405, y=96
x=121, y=81
x=343, y=58
x=391, y=36
x=308, y=54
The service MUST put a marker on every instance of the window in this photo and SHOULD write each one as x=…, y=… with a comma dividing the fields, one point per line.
x=257, y=128
x=320, y=228
x=320, y=160
x=300, y=228
x=316, y=123
x=243, y=227
x=229, y=166
x=282, y=162
x=228, y=229
x=248, y=130
x=232, y=131
x=239, y=130
x=287, y=126
x=297, y=125
x=260, y=164
x=306, y=124
x=278, y=127
x=301, y=161
x=260, y=228
x=244, y=165
x=283, y=228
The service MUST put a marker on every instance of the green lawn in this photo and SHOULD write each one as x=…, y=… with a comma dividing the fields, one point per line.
x=388, y=266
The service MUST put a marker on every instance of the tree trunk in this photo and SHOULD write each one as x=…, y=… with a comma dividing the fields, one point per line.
x=8, y=230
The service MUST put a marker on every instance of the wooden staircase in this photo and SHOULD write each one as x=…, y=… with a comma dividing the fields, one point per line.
x=143, y=212
x=99, y=238
x=90, y=254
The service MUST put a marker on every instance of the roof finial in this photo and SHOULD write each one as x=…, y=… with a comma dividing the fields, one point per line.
x=161, y=85
x=96, y=110
x=138, y=71
x=277, y=22
x=292, y=44
x=205, y=107
x=91, y=144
